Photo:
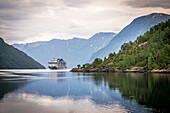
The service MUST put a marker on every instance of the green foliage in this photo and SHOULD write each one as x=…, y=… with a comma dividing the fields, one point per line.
x=78, y=65
x=97, y=63
x=110, y=55
x=151, y=61
x=85, y=65
x=12, y=58
x=151, y=51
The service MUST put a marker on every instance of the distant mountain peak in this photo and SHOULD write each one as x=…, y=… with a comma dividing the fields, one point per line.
x=75, y=38
x=157, y=14
x=101, y=34
x=105, y=33
x=151, y=16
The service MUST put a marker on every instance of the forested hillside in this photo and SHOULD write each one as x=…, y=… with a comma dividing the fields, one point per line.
x=151, y=51
x=136, y=28
x=12, y=58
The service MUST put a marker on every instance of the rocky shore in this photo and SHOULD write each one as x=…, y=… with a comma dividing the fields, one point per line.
x=133, y=69
x=77, y=70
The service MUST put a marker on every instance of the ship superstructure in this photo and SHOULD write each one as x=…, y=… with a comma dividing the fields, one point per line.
x=57, y=64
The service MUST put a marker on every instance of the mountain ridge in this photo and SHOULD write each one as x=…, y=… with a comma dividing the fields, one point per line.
x=136, y=28
x=75, y=50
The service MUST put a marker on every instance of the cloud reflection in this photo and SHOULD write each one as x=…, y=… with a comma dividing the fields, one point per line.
x=32, y=103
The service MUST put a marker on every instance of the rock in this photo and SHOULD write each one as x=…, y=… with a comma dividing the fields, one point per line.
x=160, y=71
x=104, y=70
x=77, y=70
x=135, y=69
x=143, y=44
x=92, y=70
x=117, y=70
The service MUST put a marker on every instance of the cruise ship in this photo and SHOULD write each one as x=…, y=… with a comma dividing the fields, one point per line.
x=57, y=64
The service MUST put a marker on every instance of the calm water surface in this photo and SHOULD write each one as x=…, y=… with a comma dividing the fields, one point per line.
x=49, y=91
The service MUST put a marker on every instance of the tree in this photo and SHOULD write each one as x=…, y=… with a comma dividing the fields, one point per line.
x=150, y=61
x=105, y=59
x=97, y=62
x=85, y=65
x=110, y=55
x=130, y=42
x=114, y=54
x=78, y=65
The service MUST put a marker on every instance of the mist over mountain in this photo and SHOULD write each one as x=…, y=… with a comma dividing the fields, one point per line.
x=136, y=28
x=73, y=51
x=12, y=58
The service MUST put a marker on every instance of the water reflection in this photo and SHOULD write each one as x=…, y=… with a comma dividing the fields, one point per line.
x=57, y=77
x=10, y=82
x=151, y=90
x=83, y=92
x=31, y=103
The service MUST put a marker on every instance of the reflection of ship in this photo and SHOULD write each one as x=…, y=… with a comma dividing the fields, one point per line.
x=57, y=76
x=57, y=64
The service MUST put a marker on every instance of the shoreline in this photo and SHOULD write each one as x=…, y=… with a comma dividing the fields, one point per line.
x=132, y=70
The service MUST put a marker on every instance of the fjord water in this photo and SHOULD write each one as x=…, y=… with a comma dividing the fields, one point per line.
x=61, y=91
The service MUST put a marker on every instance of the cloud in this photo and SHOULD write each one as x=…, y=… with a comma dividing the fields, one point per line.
x=149, y=3
x=8, y=4
x=23, y=21
x=76, y=3
x=75, y=24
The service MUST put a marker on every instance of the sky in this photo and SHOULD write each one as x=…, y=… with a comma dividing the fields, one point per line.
x=25, y=21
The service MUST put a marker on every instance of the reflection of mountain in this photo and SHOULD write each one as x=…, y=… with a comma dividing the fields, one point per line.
x=151, y=90
x=10, y=83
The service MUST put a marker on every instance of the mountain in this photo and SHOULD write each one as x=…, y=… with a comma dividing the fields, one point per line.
x=150, y=51
x=136, y=28
x=73, y=51
x=12, y=58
